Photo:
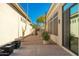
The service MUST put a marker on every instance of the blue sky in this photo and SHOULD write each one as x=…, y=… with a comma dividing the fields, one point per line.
x=34, y=10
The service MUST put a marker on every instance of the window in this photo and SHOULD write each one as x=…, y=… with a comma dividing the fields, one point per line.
x=49, y=27
x=70, y=26
x=78, y=19
x=67, y=6
x=74, y=10
x=74, y=28
x=53, y=24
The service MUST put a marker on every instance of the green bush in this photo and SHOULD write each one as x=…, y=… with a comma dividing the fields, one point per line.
x=45, y=36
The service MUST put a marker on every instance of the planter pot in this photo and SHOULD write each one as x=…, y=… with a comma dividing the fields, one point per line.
x=45, y=42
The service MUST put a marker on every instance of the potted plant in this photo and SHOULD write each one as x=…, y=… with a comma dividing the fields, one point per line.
x=45, y=37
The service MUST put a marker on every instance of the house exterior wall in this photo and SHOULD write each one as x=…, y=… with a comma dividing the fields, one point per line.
x=57, y=8
x=10, y=24
x=29, y=29
x=60, y=24
x=65, y=26
x=53, y=37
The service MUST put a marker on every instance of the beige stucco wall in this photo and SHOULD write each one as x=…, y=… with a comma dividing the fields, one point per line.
x=53, y=37
x=60, y=24
x=57, y=8
x=10, y=24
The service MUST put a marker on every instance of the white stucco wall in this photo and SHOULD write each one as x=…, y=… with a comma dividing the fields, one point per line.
x=10, y=24
x=29, y=29
x=21, y=25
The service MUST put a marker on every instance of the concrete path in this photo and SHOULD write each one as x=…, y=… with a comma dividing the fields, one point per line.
x=40, y=50
x=32, y=40
x=32, y=46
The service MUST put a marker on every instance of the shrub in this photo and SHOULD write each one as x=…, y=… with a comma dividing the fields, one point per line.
x=45, y=36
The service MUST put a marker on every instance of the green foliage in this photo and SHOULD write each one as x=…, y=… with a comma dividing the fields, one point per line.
x=45, y=36
x=41, y=19
x=34, y=26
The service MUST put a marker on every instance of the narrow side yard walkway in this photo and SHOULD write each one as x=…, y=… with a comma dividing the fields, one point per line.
x=32, y=40
x=40, y=50
x=33, y=46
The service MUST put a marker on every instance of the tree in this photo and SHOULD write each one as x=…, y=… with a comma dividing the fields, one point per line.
x=34, y=26
x=41, y=21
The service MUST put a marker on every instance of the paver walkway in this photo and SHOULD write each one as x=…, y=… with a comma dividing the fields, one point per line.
x=32, y=46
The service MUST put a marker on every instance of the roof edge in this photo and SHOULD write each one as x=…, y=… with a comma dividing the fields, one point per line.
x=19, y=10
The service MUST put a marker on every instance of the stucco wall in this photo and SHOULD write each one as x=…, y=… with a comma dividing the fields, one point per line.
x=58, y=38
x=10, y=24
x=29, y=29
